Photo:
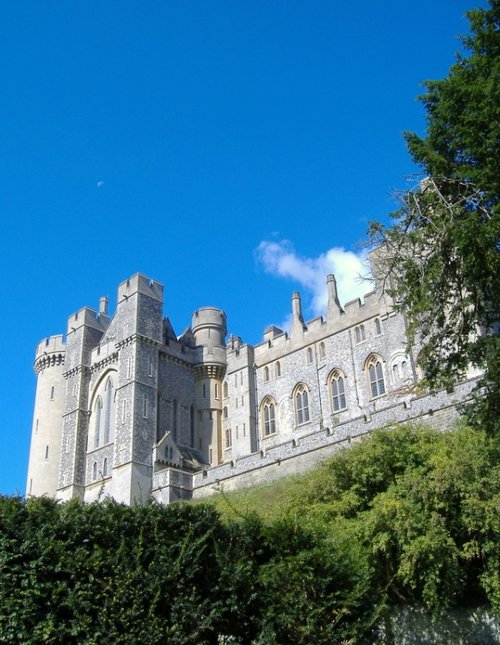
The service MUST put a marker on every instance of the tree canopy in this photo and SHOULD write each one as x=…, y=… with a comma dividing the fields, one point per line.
x=442, y=251
x=409, y=517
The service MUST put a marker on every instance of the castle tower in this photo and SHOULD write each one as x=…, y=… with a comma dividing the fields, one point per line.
x=209, y=329
x=139, y=320
x=85, y=330
x=45, y=449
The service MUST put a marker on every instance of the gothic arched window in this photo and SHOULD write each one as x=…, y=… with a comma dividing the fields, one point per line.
x=268, y=409
x=301, y=402
x=375, y=374
x=109, y=398
x=337, y=391
x=98, y=421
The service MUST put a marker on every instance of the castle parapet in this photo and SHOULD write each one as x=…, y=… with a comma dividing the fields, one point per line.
x=87, y=317
x=140, y=283
x=49, y=352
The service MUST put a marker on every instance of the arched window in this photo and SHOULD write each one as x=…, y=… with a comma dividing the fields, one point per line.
x=309, y=355
x=229, y=439
x=216, y=390
x=266, y=374
x=301, y=401
x=322, y=350
x=98, y=420
x=360, y=333
x=337, y=391
x=105, y=467
x=378, y=327
x=375, y=376
x=268, y=408
x=94, y=471
x=277, y=368
x=109, y=398
x=226, y=390
x=224, y=412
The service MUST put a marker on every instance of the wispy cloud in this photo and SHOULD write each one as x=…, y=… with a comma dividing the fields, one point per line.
x=350, y=269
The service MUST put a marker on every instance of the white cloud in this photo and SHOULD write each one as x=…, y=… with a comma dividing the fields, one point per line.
x=349, y=269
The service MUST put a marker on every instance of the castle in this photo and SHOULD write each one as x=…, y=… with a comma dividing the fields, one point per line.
x=124, y=407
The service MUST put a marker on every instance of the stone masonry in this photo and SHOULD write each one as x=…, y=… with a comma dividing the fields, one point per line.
x=126, y=408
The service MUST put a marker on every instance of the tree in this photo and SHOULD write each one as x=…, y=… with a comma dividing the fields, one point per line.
x=442, y=253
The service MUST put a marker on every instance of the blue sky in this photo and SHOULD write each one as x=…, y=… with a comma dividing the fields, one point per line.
x=234, y=151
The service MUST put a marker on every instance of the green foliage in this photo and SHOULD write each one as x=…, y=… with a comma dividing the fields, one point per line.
x=407, y=516
x=442, y=253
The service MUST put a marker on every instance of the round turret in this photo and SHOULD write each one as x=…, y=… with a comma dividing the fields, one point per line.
x=43, y=469
x=209, y=327
x=209, y=330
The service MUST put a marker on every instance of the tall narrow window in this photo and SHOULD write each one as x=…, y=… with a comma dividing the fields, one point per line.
x=229, y=439
x=191, y=426
x=52, y=393
x=150, y=366
x=322, y=350
x=378, y=327
x=309, y=355
x=224, y=412
x=301, y=399
x=216, y=390
x=46, y=452
x=98, y=422
x=226, y=390
x=268, y=417
x=375, y=377
x=360, y=333
x=337, y=389
x=105, y=467
x=145, y=406
x=109, y=396
x=129, y=367
x=266, y=374
x=204, y=391
x=278, y=368
x=94, y=471
x=124, y=411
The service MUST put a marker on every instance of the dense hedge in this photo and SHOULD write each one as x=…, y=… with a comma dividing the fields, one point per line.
x=409, y=516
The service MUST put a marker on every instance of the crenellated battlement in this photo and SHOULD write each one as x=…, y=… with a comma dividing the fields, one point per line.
x=140, y=283
x=209, y=326
x=49, y=352
x=87, y=317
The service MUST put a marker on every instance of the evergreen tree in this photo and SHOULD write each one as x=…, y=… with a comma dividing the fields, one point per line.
x=442, y=253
